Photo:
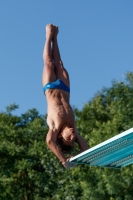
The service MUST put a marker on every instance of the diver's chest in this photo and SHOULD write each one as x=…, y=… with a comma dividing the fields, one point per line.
x=64, y=118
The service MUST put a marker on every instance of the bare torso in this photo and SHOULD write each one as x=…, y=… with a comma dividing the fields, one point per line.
x=59, y=110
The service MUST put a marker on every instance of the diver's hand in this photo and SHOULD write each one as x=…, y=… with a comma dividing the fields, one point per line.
x=68, y=164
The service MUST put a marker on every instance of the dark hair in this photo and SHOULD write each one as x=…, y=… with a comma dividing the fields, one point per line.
x=66, y=149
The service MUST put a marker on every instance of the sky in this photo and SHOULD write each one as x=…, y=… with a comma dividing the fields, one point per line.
x=95, y=40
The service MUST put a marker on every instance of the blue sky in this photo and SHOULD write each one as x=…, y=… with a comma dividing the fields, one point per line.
x=95, y=40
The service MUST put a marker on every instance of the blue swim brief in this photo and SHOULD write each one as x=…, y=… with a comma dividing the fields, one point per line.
x=58, y=84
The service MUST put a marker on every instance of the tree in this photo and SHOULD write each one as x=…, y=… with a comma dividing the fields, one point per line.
x=25, y=169
x=110, y=112
x=29, y=171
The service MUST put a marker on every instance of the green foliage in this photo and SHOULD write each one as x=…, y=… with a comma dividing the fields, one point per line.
x=29, y=171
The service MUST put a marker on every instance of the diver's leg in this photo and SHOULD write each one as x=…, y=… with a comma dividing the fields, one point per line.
x=60, y=71
x=48, y=71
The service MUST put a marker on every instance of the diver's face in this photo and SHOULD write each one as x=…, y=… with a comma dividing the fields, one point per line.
x=68, y=136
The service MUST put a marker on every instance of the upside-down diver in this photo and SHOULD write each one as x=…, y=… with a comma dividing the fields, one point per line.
x=56, y=85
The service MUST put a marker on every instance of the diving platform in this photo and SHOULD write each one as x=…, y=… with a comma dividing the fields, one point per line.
x=115, y=152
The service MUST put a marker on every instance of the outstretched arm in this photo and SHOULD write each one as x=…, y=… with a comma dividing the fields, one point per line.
x=51, y=142
x=81, y=142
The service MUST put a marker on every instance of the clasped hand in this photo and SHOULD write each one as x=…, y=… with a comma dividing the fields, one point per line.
x=68, y=164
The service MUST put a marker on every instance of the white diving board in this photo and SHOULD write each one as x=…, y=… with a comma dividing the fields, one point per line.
x=115, y=152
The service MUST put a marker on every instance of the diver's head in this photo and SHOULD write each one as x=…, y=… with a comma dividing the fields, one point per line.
x=66, y=139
